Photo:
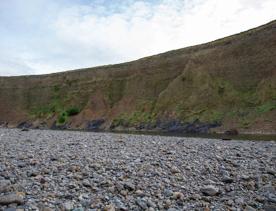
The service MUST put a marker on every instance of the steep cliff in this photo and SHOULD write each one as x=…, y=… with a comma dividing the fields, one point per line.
x=228, y=83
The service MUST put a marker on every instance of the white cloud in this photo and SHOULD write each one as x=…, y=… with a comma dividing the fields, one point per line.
x=90, y=35
x=144, y=29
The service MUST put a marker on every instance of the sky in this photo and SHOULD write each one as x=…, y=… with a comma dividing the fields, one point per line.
x=46, y=36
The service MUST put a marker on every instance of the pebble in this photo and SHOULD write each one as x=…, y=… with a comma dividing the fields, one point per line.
x=86, y=183
x=271, y=198
x=249, y=208
x=168, y=192
x=4, y=185
x=11, y=199
x=110, y=207
x=227, y=179
x=68, y=206
x=270, y=207
x=76, y=171
x=178, y=195
x=175, y=170
x=141, y=203
x=210, y=190
x=10, y=209
x=139, y=193
x=129, y=186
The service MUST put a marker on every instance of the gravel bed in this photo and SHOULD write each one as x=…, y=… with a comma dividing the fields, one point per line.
x=65, y=170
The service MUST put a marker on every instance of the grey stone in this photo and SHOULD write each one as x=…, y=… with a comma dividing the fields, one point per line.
x=210, y=190
x=4, y=186
x=227, y=179
x=10, y=209
x=271, y=198
x=168, y=192
x=249, y=208
x=130, y=186
x=141, y=203
x=11, y=199
x=68, y=206
x=269, y=207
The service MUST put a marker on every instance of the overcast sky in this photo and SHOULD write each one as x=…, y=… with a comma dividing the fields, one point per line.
x=45, y=36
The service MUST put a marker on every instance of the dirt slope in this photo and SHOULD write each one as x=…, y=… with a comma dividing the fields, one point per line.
x=228, y=83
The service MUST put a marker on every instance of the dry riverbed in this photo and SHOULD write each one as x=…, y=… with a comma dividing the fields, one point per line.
x=61, y=170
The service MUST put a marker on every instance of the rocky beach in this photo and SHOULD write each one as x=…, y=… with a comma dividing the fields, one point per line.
x=69, y=170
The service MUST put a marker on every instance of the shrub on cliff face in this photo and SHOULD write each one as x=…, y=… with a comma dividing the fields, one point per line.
x=61, y=119
x=72, y=111
x=63, y=116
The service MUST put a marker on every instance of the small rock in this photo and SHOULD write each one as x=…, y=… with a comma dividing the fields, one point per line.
x=110, y=207
x=271, y=171
x=124, y=192
x=239, y=201
x=34, y=162
x=210, y=190
x=249, y=208
x=269, y=207
x=86, y=183
x=141, y=203
x=151, y=204
x=178, y=195
x=139, y=193
x=175, y=170
x=21, y=164
x=10, y=209
x=260, y=199
x=245, y=177
x=230, y=202
x=78, y=209
x=168, y=192
x=74, y=168
x=68, y=206
x=167, y=204
x=42, y=180
x=227, y=179
x=129, y=186
x=46, y=209
x=32, y=173
x=11, y=199
x=96, y=166
x=195, y=197
x=120, y=205
x=4, y=186
x=173, y=209
x=271, y=198
x=206, y=208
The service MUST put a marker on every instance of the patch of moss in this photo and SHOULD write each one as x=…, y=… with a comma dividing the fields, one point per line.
x=72, y=111
x=268, y=106
x=62, y=118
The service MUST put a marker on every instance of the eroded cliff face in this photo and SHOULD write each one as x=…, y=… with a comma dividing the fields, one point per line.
x=229, y=82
